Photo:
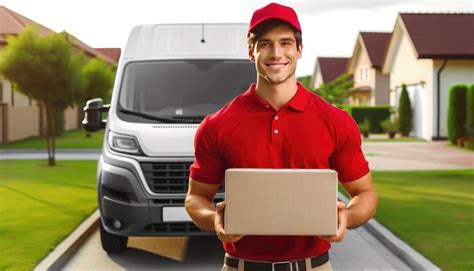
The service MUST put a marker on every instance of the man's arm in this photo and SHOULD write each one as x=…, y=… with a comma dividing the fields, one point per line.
x=363, y=201
x=201, y=209
x=199, y=204
x=360, y=208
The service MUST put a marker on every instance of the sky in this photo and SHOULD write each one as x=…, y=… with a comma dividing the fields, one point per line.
x=330, y=27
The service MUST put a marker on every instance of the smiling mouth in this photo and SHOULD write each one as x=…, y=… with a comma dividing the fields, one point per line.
x=276, y=66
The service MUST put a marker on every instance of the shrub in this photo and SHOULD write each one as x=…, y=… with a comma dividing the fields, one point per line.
x=405, y=112
x=457, y=112
x=470, y=111
x=390, y=126
x=374, y=114
x=364, y=127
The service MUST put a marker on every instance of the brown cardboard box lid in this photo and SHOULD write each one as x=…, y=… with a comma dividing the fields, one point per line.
x=280, y=201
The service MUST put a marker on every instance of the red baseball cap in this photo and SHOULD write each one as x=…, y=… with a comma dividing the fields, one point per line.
x=274, y=11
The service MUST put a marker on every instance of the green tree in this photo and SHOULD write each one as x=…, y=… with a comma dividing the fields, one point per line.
x=337, y=90
x=46, y=70
x=99, y=77
x=457, y=112
x=405, y=112
x=305, y=80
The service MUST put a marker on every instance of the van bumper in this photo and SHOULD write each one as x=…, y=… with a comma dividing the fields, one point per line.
x=128, y=208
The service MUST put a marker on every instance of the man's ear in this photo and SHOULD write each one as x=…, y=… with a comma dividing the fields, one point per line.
x=300, y=51
x=251, y=55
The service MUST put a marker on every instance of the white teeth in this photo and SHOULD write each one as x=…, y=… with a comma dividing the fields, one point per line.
x=276, y=66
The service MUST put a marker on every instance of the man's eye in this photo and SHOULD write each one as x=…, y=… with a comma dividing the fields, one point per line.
x=264, y=44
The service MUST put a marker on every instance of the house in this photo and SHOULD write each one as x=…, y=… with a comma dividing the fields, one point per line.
x=371, y=87
x=327, y=69
x=112, y=53
x=429, y=52
x=20, y=116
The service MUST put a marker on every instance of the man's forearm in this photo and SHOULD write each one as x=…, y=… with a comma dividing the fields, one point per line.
x=361, y=208
x=201, y=211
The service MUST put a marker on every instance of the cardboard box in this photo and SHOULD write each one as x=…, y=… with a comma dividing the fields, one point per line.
x=280, y=201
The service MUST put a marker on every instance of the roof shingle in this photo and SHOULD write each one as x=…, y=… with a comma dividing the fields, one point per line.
x=332, y=67
x=441, y=35
x=12, y=23
x=113, y=53
x=375, y=43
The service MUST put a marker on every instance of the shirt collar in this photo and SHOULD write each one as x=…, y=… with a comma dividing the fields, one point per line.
x=254, y=103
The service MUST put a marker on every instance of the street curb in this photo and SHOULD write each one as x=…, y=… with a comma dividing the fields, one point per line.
x=66, y=249
x=398, y=247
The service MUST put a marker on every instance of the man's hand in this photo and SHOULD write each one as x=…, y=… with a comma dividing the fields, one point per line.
x=342, y=224
x=219, y=225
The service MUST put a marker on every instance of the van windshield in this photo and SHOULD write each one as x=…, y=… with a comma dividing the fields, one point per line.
x=181, y=89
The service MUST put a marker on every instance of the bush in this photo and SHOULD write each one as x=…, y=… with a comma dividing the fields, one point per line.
x=470, y=111
x=405, y=112
x=457, y=112
x=364, y=127
x=374, y=114
x=390, y=126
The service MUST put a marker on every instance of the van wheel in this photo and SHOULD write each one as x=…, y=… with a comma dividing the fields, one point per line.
x=112, y=243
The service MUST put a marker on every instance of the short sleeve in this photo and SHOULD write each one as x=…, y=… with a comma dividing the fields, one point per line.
x=348, y=159
x=208, y=166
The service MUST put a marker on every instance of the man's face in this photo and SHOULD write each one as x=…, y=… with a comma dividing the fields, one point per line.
x=275, y=55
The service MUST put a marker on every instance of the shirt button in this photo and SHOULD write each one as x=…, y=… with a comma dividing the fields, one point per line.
x=267, y=106
x=275, y=131
x=276, y=118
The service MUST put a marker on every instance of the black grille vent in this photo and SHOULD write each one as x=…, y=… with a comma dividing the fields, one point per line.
x=175, y=227
x=177, y=201
x=168, y=177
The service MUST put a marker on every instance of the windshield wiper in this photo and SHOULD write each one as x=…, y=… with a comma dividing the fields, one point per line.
x=163, y=119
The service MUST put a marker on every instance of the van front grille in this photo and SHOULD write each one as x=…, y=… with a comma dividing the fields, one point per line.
x=174, y=228
x=168, y=177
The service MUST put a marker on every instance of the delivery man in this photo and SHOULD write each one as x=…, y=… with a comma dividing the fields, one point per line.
x=277, y=123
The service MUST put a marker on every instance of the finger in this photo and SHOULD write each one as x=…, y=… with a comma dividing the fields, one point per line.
x=341, y=205
x=220, y=205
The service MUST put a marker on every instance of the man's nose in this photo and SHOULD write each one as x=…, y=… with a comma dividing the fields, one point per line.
x=277, y=51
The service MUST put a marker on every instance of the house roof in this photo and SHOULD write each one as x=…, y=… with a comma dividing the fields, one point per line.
x=375, y=44
x=441, y=35
x=332, y=67
x=12, y=23
x=113, y=53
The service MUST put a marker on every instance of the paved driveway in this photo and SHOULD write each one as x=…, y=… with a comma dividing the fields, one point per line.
x=416, y=156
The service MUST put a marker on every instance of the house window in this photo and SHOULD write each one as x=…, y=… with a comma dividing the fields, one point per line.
x=364, y=74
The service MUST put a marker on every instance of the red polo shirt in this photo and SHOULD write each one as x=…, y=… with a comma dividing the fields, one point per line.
x=307, y=132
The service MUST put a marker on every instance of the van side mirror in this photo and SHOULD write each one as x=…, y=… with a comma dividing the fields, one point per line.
x=93, y=121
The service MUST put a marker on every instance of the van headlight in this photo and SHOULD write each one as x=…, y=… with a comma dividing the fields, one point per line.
x=123, y=143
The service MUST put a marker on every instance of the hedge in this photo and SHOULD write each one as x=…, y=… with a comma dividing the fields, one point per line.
x=470, y=110
x=457, y=112
x=375, y=114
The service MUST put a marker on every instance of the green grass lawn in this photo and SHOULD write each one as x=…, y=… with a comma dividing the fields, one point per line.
x=433, y=211
x=40, y=206
x=74, y=139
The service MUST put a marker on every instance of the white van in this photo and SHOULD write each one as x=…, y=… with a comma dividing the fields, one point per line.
x=169, y=78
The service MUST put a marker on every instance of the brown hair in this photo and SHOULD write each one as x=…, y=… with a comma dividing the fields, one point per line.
x=260, y=30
